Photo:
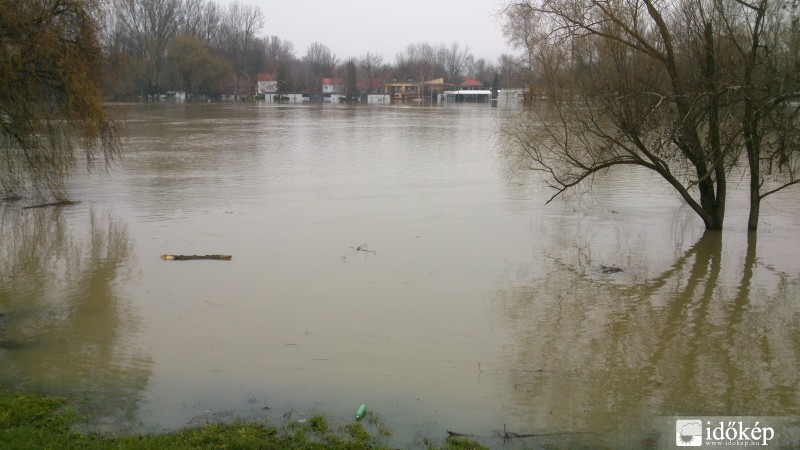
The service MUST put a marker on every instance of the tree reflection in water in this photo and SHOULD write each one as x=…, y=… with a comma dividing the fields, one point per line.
x=715, y=332
x=64, y=329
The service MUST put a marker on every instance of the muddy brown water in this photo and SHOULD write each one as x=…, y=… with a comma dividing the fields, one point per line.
x=382, y=256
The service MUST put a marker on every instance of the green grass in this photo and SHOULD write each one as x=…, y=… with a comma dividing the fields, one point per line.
x=31, y=421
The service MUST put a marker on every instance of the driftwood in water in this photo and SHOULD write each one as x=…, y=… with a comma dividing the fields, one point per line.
x=189, y=257
x=508, y=435
x=45, y=205
x=454, y=434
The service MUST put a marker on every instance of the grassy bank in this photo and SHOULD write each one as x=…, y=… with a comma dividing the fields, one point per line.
x=31, y=421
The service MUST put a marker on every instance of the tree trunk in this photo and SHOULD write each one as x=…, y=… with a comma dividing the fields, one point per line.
x=715, y=217
x=755, y=191
x=712, y=200
x=753, y=146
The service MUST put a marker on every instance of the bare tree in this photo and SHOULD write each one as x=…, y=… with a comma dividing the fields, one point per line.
x=191, y=18
x=481, y=70
x=455, y=60
x=509, y=71
x=762, y=39
x=239, y=28
x=209, y=28
x=147, y=27
x=679, y=88
x=280, y=52
x=320, y=62
x=524, y=31
x=368, y=66
x=422, y=60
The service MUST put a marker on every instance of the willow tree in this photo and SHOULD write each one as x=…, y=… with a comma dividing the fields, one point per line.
x=50, y=104
x=682, y=88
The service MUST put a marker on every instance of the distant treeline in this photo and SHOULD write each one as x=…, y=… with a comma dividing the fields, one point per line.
x=207, y=49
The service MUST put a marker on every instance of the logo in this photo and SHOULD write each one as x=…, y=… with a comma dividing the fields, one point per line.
x=725, y=431
x=689, y=433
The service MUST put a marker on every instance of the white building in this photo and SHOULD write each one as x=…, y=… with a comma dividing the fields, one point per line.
x=267, y=84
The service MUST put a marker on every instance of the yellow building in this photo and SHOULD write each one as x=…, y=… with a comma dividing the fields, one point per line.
x=402, y=90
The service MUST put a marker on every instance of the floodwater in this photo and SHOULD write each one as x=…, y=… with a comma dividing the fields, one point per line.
x=381, y=255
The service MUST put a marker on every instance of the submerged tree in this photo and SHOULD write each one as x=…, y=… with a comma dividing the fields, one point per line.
x=764, y=41
x=680, y=88
x=50, y=103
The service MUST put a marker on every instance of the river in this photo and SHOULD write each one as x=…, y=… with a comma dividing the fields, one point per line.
x=381, y=255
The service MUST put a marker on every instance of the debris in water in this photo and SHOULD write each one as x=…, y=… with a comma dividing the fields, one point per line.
x=194, y=257
x=361, y=411
x=363, y=248
x=609, y=269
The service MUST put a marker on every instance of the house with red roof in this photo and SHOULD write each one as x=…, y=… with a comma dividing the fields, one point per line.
x=332, y=86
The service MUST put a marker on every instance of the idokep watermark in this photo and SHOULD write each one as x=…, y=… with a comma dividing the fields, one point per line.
x=728, y=432
x=724, y=432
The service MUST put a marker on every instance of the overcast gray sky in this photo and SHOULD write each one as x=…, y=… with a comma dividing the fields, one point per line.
x=351, y=28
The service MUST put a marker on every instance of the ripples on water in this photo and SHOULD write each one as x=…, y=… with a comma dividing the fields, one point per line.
x=476, y=307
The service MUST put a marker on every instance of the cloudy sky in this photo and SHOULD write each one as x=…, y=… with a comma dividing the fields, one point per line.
x=351, y=28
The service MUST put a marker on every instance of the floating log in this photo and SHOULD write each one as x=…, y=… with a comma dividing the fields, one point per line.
x=190, y=257
x=508, y=435
x=54, y=204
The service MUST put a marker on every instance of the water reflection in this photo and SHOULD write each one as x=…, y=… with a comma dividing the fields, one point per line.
x=713, y=333
x=63, y=326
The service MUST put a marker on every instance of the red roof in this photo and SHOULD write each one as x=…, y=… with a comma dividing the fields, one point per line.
x=471, y=82
x=266, y=77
